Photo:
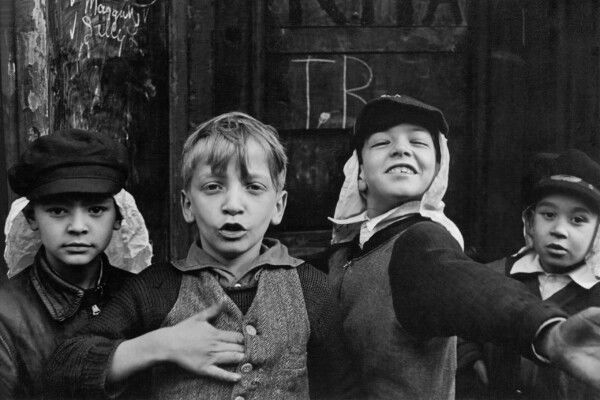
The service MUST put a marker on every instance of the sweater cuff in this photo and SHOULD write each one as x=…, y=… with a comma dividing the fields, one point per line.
x=95, y=370
x=535, y=320
x=547, y=324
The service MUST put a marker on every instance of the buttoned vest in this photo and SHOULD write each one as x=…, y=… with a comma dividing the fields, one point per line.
x=275, y=329
x=393, y=364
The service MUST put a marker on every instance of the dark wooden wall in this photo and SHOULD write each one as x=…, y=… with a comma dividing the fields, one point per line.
x=97, y=65
x=514, y=77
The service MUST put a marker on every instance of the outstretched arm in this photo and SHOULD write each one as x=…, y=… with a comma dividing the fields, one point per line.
x=438, y=291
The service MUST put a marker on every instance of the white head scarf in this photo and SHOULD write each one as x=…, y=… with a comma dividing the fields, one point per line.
x=129, y=248
x=351, y=203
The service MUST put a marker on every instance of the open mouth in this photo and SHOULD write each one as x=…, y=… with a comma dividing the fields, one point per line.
x=556, y=249
x=232, y=231
x=401, y=169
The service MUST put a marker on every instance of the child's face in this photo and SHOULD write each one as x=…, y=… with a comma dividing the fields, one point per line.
x=562, y=230
x=398, y=165
x=233, y=213
x=74, y=231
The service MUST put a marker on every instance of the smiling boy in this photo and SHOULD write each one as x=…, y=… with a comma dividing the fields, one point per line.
x=69, y=179
x=239, y=317
x=404, y=285
x=559, y=264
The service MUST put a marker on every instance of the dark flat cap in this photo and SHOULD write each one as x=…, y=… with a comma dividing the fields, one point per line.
x=571, y=172
x=70, y=161
x=384, y=112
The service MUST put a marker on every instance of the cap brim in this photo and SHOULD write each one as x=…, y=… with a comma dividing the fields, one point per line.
x=581, y=189
x=76, y=185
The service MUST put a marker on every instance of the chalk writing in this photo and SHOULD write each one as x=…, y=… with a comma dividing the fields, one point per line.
x=346, y=91
x=308, y=61
x=98, y=28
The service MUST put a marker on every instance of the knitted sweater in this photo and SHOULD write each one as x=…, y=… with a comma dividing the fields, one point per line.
x=436, y=291
x=510, y=376
x=78, y=367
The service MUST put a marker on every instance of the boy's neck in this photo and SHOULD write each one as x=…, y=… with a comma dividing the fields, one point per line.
x=82, y=276
x=237, y=264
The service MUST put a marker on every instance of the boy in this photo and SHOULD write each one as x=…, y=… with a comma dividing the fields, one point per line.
x=69, y=179
x=405, y=286
x=559, y=265
x=266, y=307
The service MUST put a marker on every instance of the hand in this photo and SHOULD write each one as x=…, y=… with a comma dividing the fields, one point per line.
x=481, y=372
x=574, y=345
x=195, y=345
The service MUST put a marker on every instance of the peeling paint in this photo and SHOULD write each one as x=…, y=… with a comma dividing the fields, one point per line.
x=33, y=101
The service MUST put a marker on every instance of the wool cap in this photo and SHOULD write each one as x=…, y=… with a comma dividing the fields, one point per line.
x=571, y=172
x=70, y=161
x=384, y=112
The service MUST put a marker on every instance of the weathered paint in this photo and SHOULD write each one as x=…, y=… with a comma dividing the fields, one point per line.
x=34, y=59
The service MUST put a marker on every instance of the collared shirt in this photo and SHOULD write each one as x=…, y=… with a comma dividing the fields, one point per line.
x=549, y=283
x=272, y=253
x=370, y=226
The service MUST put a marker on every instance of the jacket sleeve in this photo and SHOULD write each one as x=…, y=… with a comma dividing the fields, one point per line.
x=78, y=367
x=438, y=291
x=9, y=375
x=331, y=373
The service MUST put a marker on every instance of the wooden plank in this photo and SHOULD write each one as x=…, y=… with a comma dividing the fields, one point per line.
x=109, y=63
x=200, y=63
x=334, y=40
x=314, y=176
x=233, y=56
x=258, y=58
x=327, y=92
x=8, y=82
x=31, y=30
x=9, y=140
x=180, y=234
x=368, y=12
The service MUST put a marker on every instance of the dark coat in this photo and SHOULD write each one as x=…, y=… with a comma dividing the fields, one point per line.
x=37, y=310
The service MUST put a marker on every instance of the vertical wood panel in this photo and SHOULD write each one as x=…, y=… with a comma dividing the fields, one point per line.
x=31, y=29
x=179, y=234
x=9, y=140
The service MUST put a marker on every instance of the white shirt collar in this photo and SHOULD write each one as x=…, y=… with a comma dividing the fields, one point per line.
x=530, y=263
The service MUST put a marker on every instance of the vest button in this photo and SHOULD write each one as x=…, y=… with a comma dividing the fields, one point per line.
x=246, y=368
x=250, y=330
x=239, y=398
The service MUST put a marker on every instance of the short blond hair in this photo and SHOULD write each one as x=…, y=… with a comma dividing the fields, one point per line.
x=225, y=136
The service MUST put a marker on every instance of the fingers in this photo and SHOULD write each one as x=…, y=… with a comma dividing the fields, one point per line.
x=210, y=312
x=221, y=374
x=228, y=346
x=228, y=357
x=230, y=336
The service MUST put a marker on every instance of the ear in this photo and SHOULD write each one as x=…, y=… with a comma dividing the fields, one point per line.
x=117, y=224
x=362, y=184
x=279, y=208
x=30, y=217
x=186, y=207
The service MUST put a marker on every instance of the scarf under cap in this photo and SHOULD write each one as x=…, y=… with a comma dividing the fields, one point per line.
x=129, y=248
x=351, y=203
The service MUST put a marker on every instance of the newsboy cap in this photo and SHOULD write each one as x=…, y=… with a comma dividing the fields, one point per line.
x=384, y=112
x=571, y=172
x=70, y=161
